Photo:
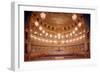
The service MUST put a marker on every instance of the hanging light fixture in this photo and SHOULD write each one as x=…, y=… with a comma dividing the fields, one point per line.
x=74, y=17
x=42, y=15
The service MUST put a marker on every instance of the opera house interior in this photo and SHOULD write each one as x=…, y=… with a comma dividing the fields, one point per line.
x=56, y=36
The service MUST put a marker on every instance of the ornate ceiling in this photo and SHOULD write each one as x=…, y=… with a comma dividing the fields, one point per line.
x=57, y=27
x=51, y=35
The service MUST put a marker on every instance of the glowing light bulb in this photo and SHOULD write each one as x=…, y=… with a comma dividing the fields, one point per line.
x=73, y=32
x=70, y=34
x=35, y=32
x=70, y=40
x=77, y=38
x=66, y=36
x=80, y=32
x=76, y=28
x=83, y=36
x=55, y=41
x=43, y=31
x=36, y=23
x=80, y=37
x=83, y=31
x=55, y=36
x=40, y=28
x=43, y=15
x=58, y=35
x=34, y=37
x=46, y=34
x=62, y=41
x=79, y=24
x=62, y=36
x=40, y=34
x=31, y=36
x=74, y=17
x=46, y=40
x=50, y=35
x=50, y=41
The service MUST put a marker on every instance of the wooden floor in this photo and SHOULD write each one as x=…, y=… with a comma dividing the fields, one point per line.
x=58, y=57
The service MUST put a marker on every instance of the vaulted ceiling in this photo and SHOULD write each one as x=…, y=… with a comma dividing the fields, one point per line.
x=54, y=27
